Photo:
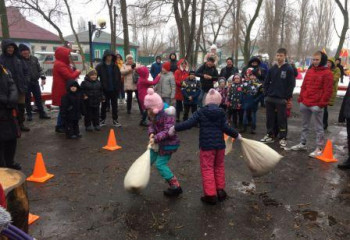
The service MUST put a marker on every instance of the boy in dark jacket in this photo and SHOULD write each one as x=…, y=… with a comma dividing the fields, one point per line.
x=71, y=109
x=252, y=94
x=234, y=102
x=156, y=67
x=190, y=91
x=8, y=124
x=213, y=125
x=93, y=96
x=345, y=115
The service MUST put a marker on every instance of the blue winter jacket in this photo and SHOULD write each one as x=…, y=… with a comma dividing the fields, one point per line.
x=156, y=68
x=213, y=124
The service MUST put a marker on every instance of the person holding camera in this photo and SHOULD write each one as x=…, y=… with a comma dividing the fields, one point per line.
x=130, y=81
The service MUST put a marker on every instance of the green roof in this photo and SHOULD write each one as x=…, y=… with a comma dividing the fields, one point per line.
x=103, y=38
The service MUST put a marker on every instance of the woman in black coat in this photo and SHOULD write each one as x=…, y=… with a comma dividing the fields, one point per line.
x=345, y=115
x=9, y=129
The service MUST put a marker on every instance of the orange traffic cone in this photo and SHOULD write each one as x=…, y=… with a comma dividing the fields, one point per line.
x=327, y=155
x=39, y=174
x=32, y=218
x=112, y=142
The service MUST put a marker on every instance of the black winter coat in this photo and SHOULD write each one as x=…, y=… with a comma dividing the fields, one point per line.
x=93, y=90
x=263, y=72
x=34, y=70
x=15, y=66
x=345, y=107
x=207, y=84
x=226, y=72
x=8, y=104
x=213, y=124
x=72, y=105
x=103, y=74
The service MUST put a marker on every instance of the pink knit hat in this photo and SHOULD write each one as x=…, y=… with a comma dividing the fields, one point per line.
x=153, y=101
x=213, y=97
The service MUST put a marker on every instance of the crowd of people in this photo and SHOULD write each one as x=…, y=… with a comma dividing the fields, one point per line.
x=219, y=102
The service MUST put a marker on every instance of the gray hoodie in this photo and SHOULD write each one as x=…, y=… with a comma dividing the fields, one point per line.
x=166, y=86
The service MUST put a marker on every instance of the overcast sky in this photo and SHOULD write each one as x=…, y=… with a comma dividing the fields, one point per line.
x=97, y=9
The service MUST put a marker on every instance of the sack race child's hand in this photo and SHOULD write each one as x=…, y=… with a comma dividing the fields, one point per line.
x=171, y=131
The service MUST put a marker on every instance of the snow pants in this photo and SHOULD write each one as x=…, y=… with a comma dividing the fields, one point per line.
x=213, y=170
x=161, y=162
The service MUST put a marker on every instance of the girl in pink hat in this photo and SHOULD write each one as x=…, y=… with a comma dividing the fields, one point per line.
x=160, y=123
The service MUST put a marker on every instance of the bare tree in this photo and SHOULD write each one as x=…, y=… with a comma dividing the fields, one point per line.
x=344, y=11
x=81, y=52
x=199, y=33
x=247, y=41
x=82, y=25
x=125, y=26
x=112, y=20
x=49, y=10
x=302, y=27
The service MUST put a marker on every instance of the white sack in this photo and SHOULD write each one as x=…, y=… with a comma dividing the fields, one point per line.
x=228, y=143
x=139, y=173
x=260, y=158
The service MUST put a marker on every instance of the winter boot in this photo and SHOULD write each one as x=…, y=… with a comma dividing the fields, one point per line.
x=15, y=166
x=143, y=123
x=24, y=128
x=345, y=165
x=252, y=130
x=44, y=115
x=174, y=189
x=211, y=200
x=222, y=195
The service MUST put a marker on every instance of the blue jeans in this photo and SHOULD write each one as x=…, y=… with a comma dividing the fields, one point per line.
x=253, y=116
x=59, y=123
x=201, y=98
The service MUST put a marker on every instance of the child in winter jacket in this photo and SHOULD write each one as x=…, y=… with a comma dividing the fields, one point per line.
x=180, y=75
x=158, y=131
x=142, y=85
x=213, y=125
x=93, y=95
x=222, y=89
x=190, y=90
x=235, y=102
x=72, y=109
x=166, y=86
x=252, y=94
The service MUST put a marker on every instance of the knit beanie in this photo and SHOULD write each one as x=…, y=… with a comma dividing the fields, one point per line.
x=153, y=101
x=192, y=72
x=213, y=97
x=221, y=80
x=23, y=47
x=91, y=71
x=166, y=66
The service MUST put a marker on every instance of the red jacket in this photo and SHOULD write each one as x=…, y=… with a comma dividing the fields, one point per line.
x=317, y=87
x=180, y=75
x=2, y=197
x=62, y=72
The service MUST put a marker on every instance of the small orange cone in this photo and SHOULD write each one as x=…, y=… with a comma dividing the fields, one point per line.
x=327, y=155
x=32, y=218
x=39, y=174
x=112, y=142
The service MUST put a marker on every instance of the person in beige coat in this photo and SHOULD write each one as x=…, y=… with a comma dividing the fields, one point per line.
x=128, y=71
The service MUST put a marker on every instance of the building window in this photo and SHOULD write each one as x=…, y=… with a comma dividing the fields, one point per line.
x=97, y=54
x=43, y=48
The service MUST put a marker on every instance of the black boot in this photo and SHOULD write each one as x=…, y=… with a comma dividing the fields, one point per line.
x=143, y=123
x=222, y=195
x=15, y=166
x=244, y=129
x=60, y=130
x=24, y=128
x=44, y=116
x=29, y=118
x=211, y=200
x=252, y=131
x=345, y=165
x=173, y=191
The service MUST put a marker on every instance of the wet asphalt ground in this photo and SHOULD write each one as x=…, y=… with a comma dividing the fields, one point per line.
x=302, y=198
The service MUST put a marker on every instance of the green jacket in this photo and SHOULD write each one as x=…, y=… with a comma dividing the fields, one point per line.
x=336, y=76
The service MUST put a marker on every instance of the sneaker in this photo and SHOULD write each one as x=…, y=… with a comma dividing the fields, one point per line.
x=103, y=123
x=222, y=195
x=211, y=200
x=317, y=152
x=173, y=191
x=60, y=130
x=116, y=123
x=267, y=139
x=283, y=143
x=89, y=129
x=97, y=128
x=299, y=147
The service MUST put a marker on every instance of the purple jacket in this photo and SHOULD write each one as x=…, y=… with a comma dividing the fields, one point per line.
x=160, y=127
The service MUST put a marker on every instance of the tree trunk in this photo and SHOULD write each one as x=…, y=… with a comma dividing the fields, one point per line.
x=75, y=33
x=4, y=22
x=189, y=53
x=125, y=26
x=246, y=48
x=198, y=34
x=345, y=13
x=180, y=29
x=238, y=24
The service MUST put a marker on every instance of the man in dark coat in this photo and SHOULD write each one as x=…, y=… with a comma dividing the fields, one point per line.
x=229, y=70
x=19, y=72
x=254, y=63
x=35, y=72
x=338, y=64
x=345, y=115
x=8, y=124
x=173, y=62
x=110, y=77
x=156, y=67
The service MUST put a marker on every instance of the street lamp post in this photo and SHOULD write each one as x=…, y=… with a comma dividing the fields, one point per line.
x=92, y=29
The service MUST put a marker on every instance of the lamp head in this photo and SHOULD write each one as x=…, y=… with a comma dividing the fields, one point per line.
x=101, y=22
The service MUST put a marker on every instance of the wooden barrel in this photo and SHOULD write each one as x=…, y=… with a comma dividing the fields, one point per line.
x=14, y=184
